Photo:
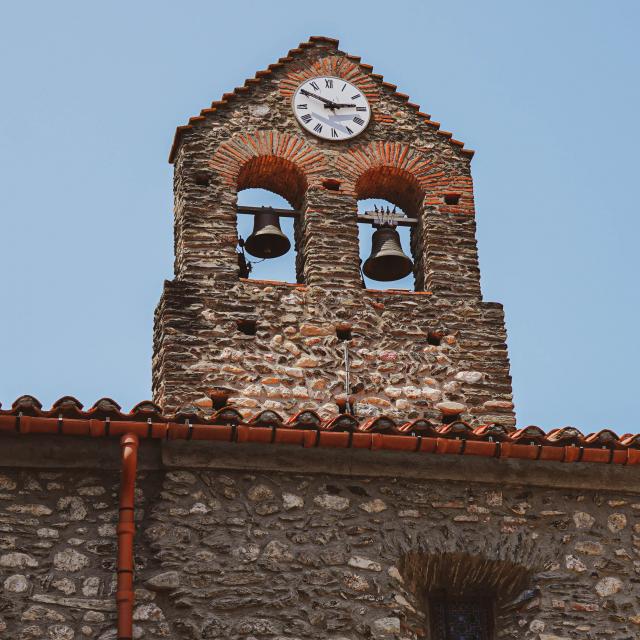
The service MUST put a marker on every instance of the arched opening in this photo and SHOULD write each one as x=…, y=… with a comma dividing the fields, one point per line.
x=282, y=268
x=395, y=185
x=394, y=190
x=365, y=235
x=274, y=174
x=270, y=181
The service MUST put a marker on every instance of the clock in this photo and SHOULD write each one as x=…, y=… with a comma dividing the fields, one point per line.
x=331, y=108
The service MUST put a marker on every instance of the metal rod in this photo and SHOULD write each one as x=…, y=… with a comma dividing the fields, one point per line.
x=284, y=213
x=368, y=217
x=347, y=382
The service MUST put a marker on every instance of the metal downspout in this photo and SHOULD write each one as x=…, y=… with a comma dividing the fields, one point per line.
x=126, y=532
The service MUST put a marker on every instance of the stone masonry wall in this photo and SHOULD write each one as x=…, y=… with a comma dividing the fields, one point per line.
x=58, y=554
x=280, y=556
x=295, y=360
x=283, y=556
x=251, y=139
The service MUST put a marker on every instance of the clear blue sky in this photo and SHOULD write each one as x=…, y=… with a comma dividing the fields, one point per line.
x=547, y=92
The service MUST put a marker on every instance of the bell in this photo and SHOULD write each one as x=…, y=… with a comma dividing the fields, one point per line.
x=387, y=260
x=267, y=239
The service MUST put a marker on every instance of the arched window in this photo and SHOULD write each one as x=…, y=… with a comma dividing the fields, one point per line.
x=467, y=597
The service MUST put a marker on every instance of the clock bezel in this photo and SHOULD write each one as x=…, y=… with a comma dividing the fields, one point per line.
x=320, y=137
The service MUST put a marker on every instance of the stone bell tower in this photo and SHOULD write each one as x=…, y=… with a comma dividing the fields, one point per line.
x=438, y=350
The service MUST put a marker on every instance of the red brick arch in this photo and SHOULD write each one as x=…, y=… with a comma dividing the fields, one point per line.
x=329, y=66
x=280, y=162
x=398, y=173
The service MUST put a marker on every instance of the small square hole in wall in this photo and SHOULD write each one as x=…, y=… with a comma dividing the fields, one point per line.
x=452, y=198
x=201, y=178
x=248, y=327
x=434, y=338
x=343, y=331
x=331, y=185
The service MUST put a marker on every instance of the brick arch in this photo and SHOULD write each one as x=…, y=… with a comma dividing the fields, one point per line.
x=393, y=184
x=329, y=66
x=396, y=172
x=280, y=162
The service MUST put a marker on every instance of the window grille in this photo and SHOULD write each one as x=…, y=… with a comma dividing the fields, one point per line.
x=461, y=619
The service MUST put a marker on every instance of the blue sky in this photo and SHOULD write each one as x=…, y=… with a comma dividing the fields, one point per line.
x=546, y=92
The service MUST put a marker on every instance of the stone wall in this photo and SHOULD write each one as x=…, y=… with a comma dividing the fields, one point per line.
x=228, y=554
x=316, y=556
x=251, y=139
x=439, y=351
x=58, y=554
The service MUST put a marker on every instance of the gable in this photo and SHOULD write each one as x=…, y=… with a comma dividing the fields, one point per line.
x=321, y=56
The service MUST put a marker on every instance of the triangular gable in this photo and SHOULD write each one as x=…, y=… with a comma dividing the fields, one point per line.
x=343, y=64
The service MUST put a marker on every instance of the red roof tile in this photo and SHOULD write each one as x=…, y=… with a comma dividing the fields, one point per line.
x=306, y=428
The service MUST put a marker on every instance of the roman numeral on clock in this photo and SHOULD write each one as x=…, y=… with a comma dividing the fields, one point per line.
x=349, y=130
x=318, y=128
x=306, y=106
x=358, y=120
x=328, y=83
x=334, y=133
x=356, y=96
x=315, y=86
x=357, y=108
x=306, y=118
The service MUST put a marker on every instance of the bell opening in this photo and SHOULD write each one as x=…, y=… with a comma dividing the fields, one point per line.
x=386, y=257
x=270, y=251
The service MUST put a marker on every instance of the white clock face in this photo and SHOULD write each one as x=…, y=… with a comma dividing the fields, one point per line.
x=331, y=108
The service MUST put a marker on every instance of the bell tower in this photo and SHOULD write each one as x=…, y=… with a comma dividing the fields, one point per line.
x=322, y=130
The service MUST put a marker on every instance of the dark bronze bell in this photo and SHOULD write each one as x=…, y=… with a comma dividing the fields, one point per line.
x=267, y=239
x=387, y=260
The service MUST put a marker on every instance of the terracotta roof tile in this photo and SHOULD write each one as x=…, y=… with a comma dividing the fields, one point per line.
x=458, y=429
x=105, y=408
x=341, y=423
x=379, y=424
x=306, y=428
x=227, y=415
x=267, y=418
x=27, y=405
x=147, y=410
x=306, y=419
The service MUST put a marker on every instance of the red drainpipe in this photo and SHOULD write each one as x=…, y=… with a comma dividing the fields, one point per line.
x=126, y=531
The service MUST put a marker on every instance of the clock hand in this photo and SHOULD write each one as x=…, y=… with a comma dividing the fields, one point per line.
x=337, y=105
x=325, y=100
